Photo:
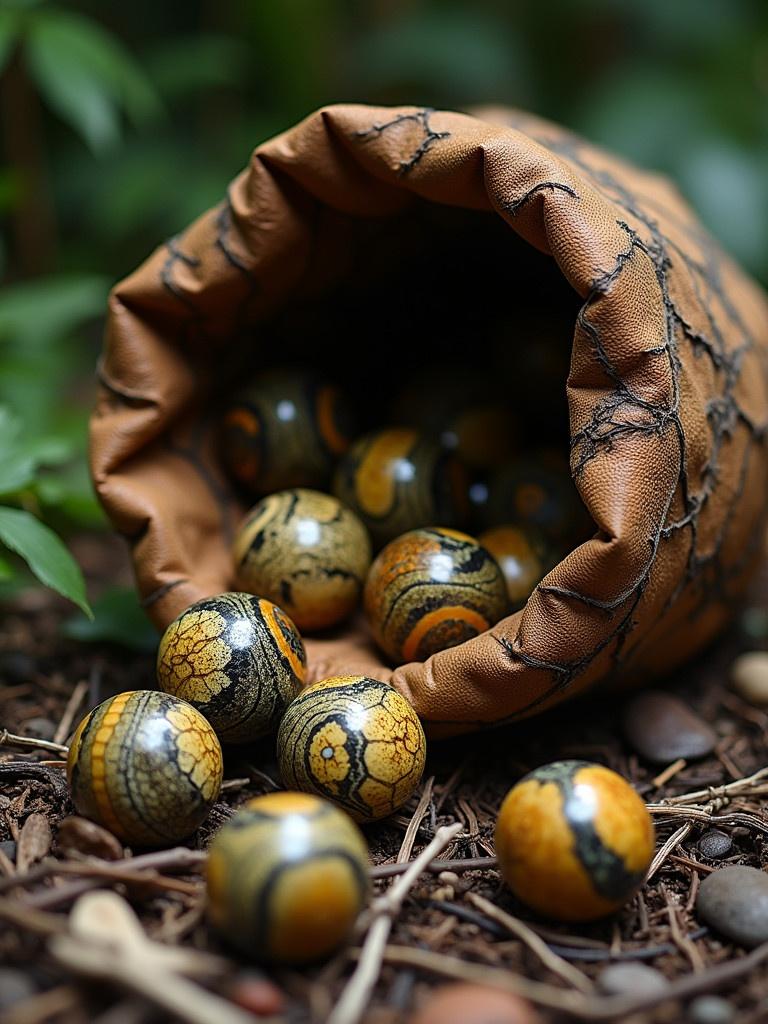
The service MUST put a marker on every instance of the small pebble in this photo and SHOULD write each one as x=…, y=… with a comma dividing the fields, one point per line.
x=710, y=1010
x=749, y=675
x=630, y=979
x=39, y=728
x=15, y=986
x=474, y=1004
x=253, y=992
x=8, y=846
x=715, y=844
x=662, y=728
x=734, y=901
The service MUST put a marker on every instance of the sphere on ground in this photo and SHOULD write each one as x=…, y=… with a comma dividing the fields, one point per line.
x=286, y=878
x=574, y=840
x=145, y=765
x=353, y=740
x=238, y=659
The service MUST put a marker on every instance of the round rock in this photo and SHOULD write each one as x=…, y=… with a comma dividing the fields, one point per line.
x=461, y=1003
x=662, y=728
x=749, y=675
x=734, y=901
x=715, y=844
x=710, y=1010
x=631, y=979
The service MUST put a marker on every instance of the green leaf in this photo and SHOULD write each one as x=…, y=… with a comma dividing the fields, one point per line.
x=36, y=313
x=45, y=554
x=6, y=571
x=117, y=619
x=17, y=471
x=87, y=76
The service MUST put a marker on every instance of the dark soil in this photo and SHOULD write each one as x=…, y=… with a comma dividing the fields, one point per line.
x=40, y=671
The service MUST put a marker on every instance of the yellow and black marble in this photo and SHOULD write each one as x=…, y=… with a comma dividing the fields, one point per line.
x=523, y=555
x=538, y=492
x=431, y=589
x=286, y=430
x=286, y=878
x=238, y=659
x=307, y=552
x=399, y=479
x=574, y=840
x=145, y=765
x=354, y=740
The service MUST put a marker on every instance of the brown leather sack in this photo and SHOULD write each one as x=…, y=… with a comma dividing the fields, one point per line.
x=666, y=393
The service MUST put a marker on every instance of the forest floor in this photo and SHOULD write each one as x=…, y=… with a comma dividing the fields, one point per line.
x=443, y=929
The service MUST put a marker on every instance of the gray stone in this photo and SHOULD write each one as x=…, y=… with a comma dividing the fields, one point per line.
x=734, y=901
x=710, y=1010
x=715, y=844
x=631, y=979
x=15, y=986
x=662, y=728
x=749, y=675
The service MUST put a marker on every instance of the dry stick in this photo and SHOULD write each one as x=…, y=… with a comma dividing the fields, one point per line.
x=44, y=1006
x=663, y=852
x=12, y=740
x=714, y=793
x=702, y=814
x=178, y=858
x=409, y=838
x=516, y=927
x=574, y=1003
x=186, y=1000
x=355, y=997
x=74, y=702
x=28, y=919
x=669, y=772
x=459, y=865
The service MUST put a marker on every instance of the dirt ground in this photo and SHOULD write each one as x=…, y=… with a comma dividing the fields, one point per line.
x=41, y=671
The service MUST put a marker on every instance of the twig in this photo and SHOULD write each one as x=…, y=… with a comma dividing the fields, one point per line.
x=409, y=838
x=186, y=1000
x=459, y=865
x=669, y=772
x=178, y=858
x=31, y=920
x=702, y=814
x=74, y=702
x=356, y=994
x=716, y=793
x=12, y=740
x=574, y=1003
x=44, y=1006
x=663, y=852
x=536, y=945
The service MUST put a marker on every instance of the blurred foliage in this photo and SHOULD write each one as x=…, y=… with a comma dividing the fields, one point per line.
x=107, y=110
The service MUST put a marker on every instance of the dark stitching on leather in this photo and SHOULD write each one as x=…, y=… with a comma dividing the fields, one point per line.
x=421, y=118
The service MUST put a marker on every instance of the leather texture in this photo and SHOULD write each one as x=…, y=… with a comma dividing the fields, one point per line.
x=667, y=393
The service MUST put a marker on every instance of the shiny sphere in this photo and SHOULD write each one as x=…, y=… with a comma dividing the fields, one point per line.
x=537, y=493
x=522, y=556
x=145, y=765
x=574, y=840
x=306, y=552
x=287, y=877
x=286, y=430
x=398, y=479
x=431, y=589
x=237, y=658
x=353, y=740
